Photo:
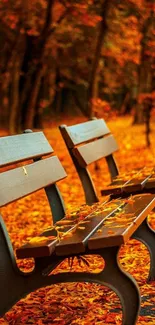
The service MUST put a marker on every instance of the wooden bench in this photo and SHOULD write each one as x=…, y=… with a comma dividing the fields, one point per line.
x=101, y=232
x=91, y=141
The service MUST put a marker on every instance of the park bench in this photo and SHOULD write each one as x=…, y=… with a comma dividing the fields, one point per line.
x=101, y=231
x=91, y=141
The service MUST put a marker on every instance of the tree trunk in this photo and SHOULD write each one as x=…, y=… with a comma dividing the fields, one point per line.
x=93, y=80
x=32, y=69
x=31, y=106
x=14, y=67
x=144, y=72
x=14, y=99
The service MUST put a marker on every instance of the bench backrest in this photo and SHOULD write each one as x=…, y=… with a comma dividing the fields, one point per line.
x=88, y=142
x=34, y=173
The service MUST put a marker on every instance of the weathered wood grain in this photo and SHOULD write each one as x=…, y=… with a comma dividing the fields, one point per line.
x=23, y=146
x=79, y=133
x=93, y=151
x=118, y=230
x=19, y=182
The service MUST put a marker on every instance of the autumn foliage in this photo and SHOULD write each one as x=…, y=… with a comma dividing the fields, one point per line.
x=78, y=303
x=58, y=57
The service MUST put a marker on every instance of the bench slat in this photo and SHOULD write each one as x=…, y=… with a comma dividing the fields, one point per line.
x=129, y=184
x=91, y=152
x=44, y=244
x=134, y=185
x=37, y=247
x=76, y=243
x=119, y=219
x=19, y=182
x=83, y=132
x=151, y=182
x=23, y=146
x=118, y=229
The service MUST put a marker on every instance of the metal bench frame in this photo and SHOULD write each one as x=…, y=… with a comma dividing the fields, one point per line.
x=86, y=133
x=15, y=284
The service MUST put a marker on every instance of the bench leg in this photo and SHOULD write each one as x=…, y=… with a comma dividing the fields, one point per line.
x=12, y=281
x=113, y=277
x=123, y=284
x=146, y=235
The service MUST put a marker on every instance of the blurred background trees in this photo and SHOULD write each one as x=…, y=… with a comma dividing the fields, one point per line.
x=87, y=57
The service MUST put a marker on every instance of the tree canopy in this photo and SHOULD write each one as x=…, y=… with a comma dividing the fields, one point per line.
x=61, y=56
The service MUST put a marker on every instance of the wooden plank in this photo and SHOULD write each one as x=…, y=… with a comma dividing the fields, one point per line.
x=75, y=241
x=151, y=182
x=93, y=151
x=115, y=190
x=138, y=180
x=20, y=147
x=136, y=184
x=37, y=247
x=128, y=183
x=79, y=133
x=44, y=244
x=19, y=182
x=120, y=227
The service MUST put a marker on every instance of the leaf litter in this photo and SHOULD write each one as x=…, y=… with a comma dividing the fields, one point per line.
x=81, y=303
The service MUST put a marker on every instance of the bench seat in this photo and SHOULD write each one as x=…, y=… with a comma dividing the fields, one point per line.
x=110, y=224
x=134, y=181
x=92, y=229
x=91, y=141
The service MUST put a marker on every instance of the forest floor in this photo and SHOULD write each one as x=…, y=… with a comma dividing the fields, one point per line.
x=78, y=303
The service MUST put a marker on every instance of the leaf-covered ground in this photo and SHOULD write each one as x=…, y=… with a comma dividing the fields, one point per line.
x=78, y=303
